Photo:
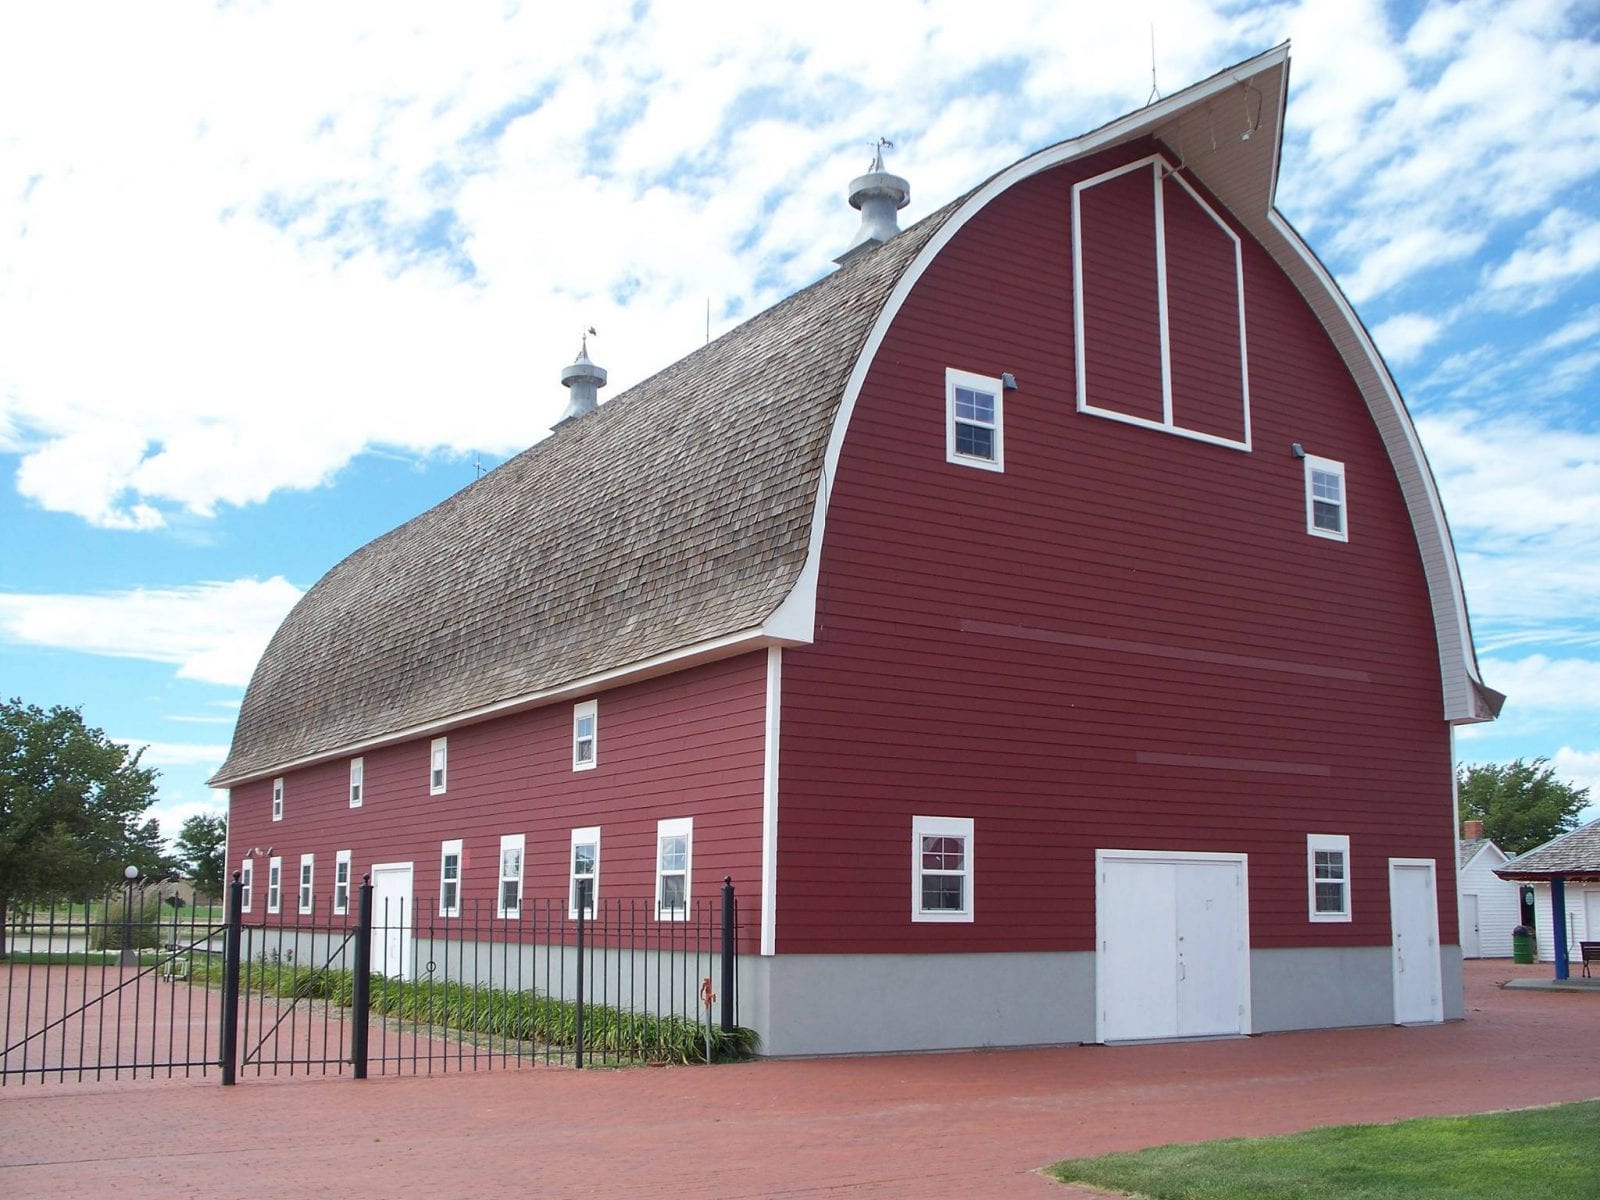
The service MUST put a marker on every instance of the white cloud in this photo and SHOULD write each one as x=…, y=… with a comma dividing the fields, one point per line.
x=1538, y=682
x=1404, y=337
x=176, y=754
x=212, y=632
x=1564, y=245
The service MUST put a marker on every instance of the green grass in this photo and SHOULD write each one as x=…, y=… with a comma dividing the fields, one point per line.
x=1548, y=1153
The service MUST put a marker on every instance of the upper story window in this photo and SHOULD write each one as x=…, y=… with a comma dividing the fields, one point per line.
x=585, y=735
x=341, y=882
x=307, y=863
x=438, y=762
x=585, y=871
x=450, y=878
x=510, y=895
x=974, y=428
x=1325, y=499
x=247, y=875
x=274, y=884
x=674, y=854
x=1328, y=876
x=357, y=776
x=941, y=868
x=277, y=799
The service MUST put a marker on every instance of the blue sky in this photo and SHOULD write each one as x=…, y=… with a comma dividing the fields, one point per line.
x=275, y=277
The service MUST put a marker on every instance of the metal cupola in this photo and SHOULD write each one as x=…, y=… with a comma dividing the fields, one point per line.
x=879, y=195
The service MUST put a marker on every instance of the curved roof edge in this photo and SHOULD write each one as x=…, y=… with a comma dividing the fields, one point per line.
x=1244, y=175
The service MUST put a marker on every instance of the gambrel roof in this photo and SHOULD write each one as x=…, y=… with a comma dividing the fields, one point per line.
x=684, y=520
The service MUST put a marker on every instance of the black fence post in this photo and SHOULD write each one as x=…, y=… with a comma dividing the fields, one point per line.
x=729, y=944
x=361, y=987
x=577, y=1030
x=230, y=980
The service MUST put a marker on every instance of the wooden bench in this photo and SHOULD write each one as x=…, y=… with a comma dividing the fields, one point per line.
x=1591, y=954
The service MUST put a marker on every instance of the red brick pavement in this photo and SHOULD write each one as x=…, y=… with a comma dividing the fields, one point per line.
x=956, y=1125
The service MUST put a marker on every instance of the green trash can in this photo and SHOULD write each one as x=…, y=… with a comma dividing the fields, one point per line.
x=1522, y=944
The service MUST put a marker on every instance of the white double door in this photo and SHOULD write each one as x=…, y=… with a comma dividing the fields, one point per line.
x=1173, y=945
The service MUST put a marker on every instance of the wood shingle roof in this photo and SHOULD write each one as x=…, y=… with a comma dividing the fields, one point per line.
x=676, y=514
x=1574, y=855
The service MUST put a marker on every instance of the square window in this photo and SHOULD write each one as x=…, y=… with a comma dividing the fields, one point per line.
x=973, y=426
x=438, y=762
x=674, y=854
x=450, y=879
x=585, y=871
x=585, y=735
x=1325, y=499
x=357, y=774
x=509, y=904
x=1328, y=876
x=341, y=883
x=941, y=868
x=307, y=862
x=277, y=799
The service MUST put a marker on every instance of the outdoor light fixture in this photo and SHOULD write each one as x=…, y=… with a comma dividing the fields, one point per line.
x=1008, y=381
x=1296, y=449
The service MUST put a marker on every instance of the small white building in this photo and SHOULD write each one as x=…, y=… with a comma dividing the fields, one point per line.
x=1490, y=907
x=1573, y=858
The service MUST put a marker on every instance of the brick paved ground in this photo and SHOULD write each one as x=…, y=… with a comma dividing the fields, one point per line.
x=952, y=1125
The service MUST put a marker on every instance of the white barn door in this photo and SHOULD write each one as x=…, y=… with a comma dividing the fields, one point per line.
x=1471, y=946
x=391, y=920
x=1173, y=945
x=1414, y=921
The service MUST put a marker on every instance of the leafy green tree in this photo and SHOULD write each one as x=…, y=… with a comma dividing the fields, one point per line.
x=70, y=806
x=1521, y=804
x=202, y=842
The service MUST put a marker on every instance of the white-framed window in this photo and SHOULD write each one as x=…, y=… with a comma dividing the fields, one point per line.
x=438, y=764
x=509, y=903
x=450, y=878
x=247, y=877
x=585, y=735
x=277, y=799
x=274, y=884
x=1326, y=514
x=941, y=868
x=585, y=865
x=341, y=883
x=307, y=869
x=674, y=856
x=974, y=424
x=358, y=774
x=1328, y=876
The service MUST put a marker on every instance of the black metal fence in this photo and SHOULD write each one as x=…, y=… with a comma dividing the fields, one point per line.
x=96, y=992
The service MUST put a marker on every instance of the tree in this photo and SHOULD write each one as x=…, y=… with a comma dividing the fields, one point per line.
x=1521, y=804
x=70, y=806
x=202, y=841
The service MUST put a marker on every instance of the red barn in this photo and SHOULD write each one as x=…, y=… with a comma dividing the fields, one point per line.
x=1049, y=616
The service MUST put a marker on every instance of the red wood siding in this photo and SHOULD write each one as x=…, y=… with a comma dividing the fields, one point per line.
x=1203, y=318
x=1125, y=640
x=685, y=745
x=1121, y=303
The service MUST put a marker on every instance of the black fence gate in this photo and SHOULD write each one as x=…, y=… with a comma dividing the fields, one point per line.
x=145, y=990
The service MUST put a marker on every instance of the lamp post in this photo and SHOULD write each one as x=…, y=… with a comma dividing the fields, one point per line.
x=130, y=875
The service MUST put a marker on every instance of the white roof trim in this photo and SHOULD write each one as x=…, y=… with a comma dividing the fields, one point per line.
x=794, y=618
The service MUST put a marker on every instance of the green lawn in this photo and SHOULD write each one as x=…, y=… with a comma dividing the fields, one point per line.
x=1547, y=1153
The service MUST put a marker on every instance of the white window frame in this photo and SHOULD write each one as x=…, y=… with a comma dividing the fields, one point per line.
x=341, y=883
x=519, y=843
x=446, y=849
x=247, y=879
x=954, y=379
x=358, y=775
x=308, y=877
x=1327, y=466
x=941, y=827
x=438, y=766
x=277, y=798
x=585, y=746
x=1326, y=842
x=275, y=884
x=588, y=835
x=676, y=827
